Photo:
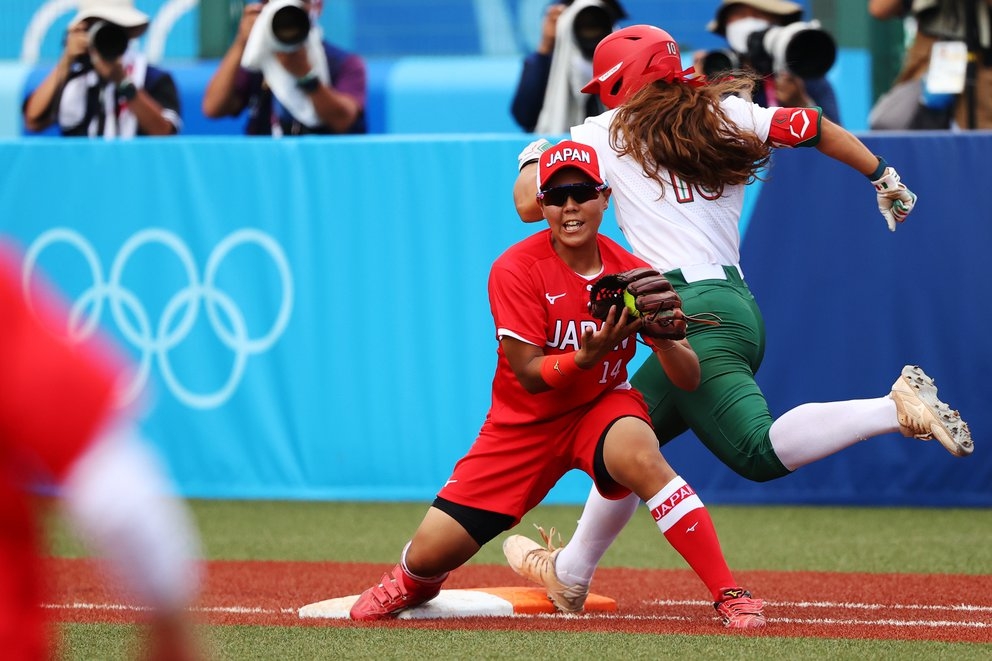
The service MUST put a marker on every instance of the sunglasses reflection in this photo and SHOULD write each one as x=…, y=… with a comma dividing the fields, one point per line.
x=556, y=196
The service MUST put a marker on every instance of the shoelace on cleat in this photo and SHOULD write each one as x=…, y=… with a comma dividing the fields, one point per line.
x=548, y=537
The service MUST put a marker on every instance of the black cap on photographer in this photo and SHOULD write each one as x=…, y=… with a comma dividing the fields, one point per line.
x=790, y=12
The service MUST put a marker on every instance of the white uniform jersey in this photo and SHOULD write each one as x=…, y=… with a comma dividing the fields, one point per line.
x=687, y=226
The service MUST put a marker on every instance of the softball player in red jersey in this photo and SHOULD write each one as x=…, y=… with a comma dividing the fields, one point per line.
x=560, y=401
x=678, y=155
x=57, y=424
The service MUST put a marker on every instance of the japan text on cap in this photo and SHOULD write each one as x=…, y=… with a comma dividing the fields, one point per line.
x=568, y=154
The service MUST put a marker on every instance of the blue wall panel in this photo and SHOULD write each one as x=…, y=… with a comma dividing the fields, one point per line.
x=847, y=303
x=269, y=292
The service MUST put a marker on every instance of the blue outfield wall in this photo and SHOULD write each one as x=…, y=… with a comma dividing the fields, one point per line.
x=290, y=305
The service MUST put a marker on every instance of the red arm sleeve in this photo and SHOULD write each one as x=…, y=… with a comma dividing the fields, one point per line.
x=795, y=127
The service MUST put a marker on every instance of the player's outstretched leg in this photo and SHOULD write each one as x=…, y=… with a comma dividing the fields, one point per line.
x=395, y=592
x=922, y=415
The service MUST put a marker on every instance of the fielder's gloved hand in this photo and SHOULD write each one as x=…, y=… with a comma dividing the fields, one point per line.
x=646, y=294
x=895, y=201
x=532, y=153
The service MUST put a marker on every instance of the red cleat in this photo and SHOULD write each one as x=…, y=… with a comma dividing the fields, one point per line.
x=395, y=592
x=739, y=610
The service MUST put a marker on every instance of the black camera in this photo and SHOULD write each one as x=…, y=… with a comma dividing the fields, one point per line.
x=590, y=26
x=108, y=40
x=800, y=48
x=290, y=25
x=716, y=62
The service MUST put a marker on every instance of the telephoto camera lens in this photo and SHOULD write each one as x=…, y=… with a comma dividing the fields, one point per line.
x=802, y=48
x=591, y=25
x=810, y=53
x=290, y=26
x=717, y=62
x=108, y=40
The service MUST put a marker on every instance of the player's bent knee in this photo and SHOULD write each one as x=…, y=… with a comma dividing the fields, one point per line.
x=635, y=469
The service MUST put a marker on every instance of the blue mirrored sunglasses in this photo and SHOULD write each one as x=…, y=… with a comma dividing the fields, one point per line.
x=556, y=196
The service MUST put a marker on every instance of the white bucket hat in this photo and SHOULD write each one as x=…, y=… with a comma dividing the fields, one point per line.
x=118, y=12
x=788, y=11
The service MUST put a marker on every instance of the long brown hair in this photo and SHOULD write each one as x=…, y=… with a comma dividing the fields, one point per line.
x=682, y=128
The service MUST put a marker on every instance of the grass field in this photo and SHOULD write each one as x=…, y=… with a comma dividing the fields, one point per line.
x=895, y=542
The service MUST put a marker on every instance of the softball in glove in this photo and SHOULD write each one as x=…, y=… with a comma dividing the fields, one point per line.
x=647, y=295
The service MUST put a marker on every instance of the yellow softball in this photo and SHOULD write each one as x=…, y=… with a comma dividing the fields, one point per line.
x=631, y=304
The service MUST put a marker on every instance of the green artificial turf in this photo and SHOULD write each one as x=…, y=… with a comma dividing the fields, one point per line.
x=250, y=643
x=846, y=539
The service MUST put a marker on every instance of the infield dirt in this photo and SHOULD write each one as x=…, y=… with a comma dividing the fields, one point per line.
x=949, y=608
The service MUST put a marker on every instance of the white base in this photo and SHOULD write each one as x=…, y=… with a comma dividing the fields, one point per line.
x=450, y=603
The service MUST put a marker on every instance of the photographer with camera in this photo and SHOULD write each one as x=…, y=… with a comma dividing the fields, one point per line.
x=101, y=87
x=946, y=75
x=292, y=81
x=768, y=37
x=548, y=98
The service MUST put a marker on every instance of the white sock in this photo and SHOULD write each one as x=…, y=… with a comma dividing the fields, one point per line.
x=419, y=579
x=813, y=431
x=601, y=522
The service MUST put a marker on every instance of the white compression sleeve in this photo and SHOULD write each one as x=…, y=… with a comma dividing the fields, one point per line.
x=813, y=431
x=119, y=499
x=601, y=522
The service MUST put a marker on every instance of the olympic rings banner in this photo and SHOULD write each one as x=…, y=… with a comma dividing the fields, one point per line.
x=287, y=304
x=179, y=315
x=308, y=318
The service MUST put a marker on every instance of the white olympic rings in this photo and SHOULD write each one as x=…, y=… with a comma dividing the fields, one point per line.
x=180, y=312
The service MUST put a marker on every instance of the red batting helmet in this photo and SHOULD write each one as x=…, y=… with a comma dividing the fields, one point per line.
x=630, y=58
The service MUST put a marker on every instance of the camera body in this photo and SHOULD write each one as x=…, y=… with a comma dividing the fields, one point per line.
x=108, y=40
x=290, y=25
x=802, y=48
x=720, y=61
x=591, y=25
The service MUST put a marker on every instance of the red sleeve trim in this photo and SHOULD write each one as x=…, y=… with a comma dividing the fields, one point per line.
x=795, y=127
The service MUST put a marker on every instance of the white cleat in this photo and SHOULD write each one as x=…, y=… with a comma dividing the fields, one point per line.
x=537, y=563
x=923, y=416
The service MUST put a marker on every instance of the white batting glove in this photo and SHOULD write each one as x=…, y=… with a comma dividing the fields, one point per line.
x=532, y=153
x=895, y=201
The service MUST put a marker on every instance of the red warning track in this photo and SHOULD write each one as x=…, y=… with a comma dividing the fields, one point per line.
x=950, y=608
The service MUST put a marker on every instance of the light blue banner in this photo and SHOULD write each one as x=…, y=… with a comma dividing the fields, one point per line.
x=308, y=318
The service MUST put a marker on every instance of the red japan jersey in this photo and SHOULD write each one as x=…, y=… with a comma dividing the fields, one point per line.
x=536, y=298
x=53, y=397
